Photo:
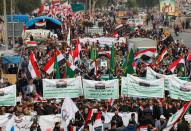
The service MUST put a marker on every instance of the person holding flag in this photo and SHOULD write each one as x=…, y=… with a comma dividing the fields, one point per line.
x=68, y=112
x=175, y=118
x=112, y=62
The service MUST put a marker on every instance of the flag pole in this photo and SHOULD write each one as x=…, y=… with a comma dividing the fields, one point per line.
x=185, y=69
x=19, y=67
x=82, y=116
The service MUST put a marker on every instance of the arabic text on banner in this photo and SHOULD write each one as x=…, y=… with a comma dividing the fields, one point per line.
x=135, y=87
x=101, y=89
x=8, y=96
x=61, y=88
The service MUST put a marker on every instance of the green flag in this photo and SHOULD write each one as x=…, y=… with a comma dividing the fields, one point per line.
x=93, y=53
x=130, y=69
x=124, y=66
x=112, y=62
x=69, y=72
x=77, y=7
x=56, y=67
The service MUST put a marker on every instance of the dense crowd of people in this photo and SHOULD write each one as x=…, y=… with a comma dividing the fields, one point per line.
x=154, y=113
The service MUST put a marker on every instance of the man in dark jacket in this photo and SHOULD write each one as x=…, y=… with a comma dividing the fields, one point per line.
x=78, y=118
x=118, y=119
x=147, y=116
x=133, y=120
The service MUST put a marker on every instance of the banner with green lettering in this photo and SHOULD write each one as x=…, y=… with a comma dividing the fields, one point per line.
x=101, y=89
x=132, y=86
x=61, y=88
x=8, y=96
x=153, y=75
x=179, y=89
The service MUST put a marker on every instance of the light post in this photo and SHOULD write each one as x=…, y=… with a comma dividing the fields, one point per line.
x=5, y=24
x=13, y=26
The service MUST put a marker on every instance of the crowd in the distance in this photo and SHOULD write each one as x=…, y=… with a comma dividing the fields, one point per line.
x=151, y=112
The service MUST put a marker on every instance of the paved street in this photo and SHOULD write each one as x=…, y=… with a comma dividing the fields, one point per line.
x=185, y=36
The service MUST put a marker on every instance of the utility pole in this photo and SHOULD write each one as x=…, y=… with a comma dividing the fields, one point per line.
x=13, y=25
x=86, y=5
x=5, y=24
x=90, y=5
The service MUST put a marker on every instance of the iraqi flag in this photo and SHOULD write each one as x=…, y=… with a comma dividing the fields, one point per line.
x=175, y=63
x=31, y=43
x=111, y=101
x=134, y=66
x=175, y=118
x=160, y=58
x=148, y=52
x=98, y=121
x=49, y=67
x=143, y=128
x=104, y=53
x=60, y=57
x=40, y=24
x=90, y=114
x=94, y=68
x=189, y=57
x=32, y=66
x=72, y=67
x=71, y=55
x=88, y=118
x=76, y=52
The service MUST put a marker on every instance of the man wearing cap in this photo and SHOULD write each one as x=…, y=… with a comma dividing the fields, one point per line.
x=161, y=124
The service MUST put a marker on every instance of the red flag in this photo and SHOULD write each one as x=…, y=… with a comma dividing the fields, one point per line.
x=164, y=52
x=41, y=9
x=90, y=114
x=98, y=122
x=104, y=53
x=49, y=67
x=24, y=28
x=31, y=43
x=111, y=101
x=76, y=52
x=73, y=67
x=115, y=34
x=134, y=66
x=73, y=128
x=60, y=57
x=32, y=66
x=175, y=63
x=189, y=57
x=148, y=52
x=40, y=24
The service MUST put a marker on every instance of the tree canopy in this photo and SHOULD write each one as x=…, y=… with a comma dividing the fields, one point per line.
x=21, y=6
